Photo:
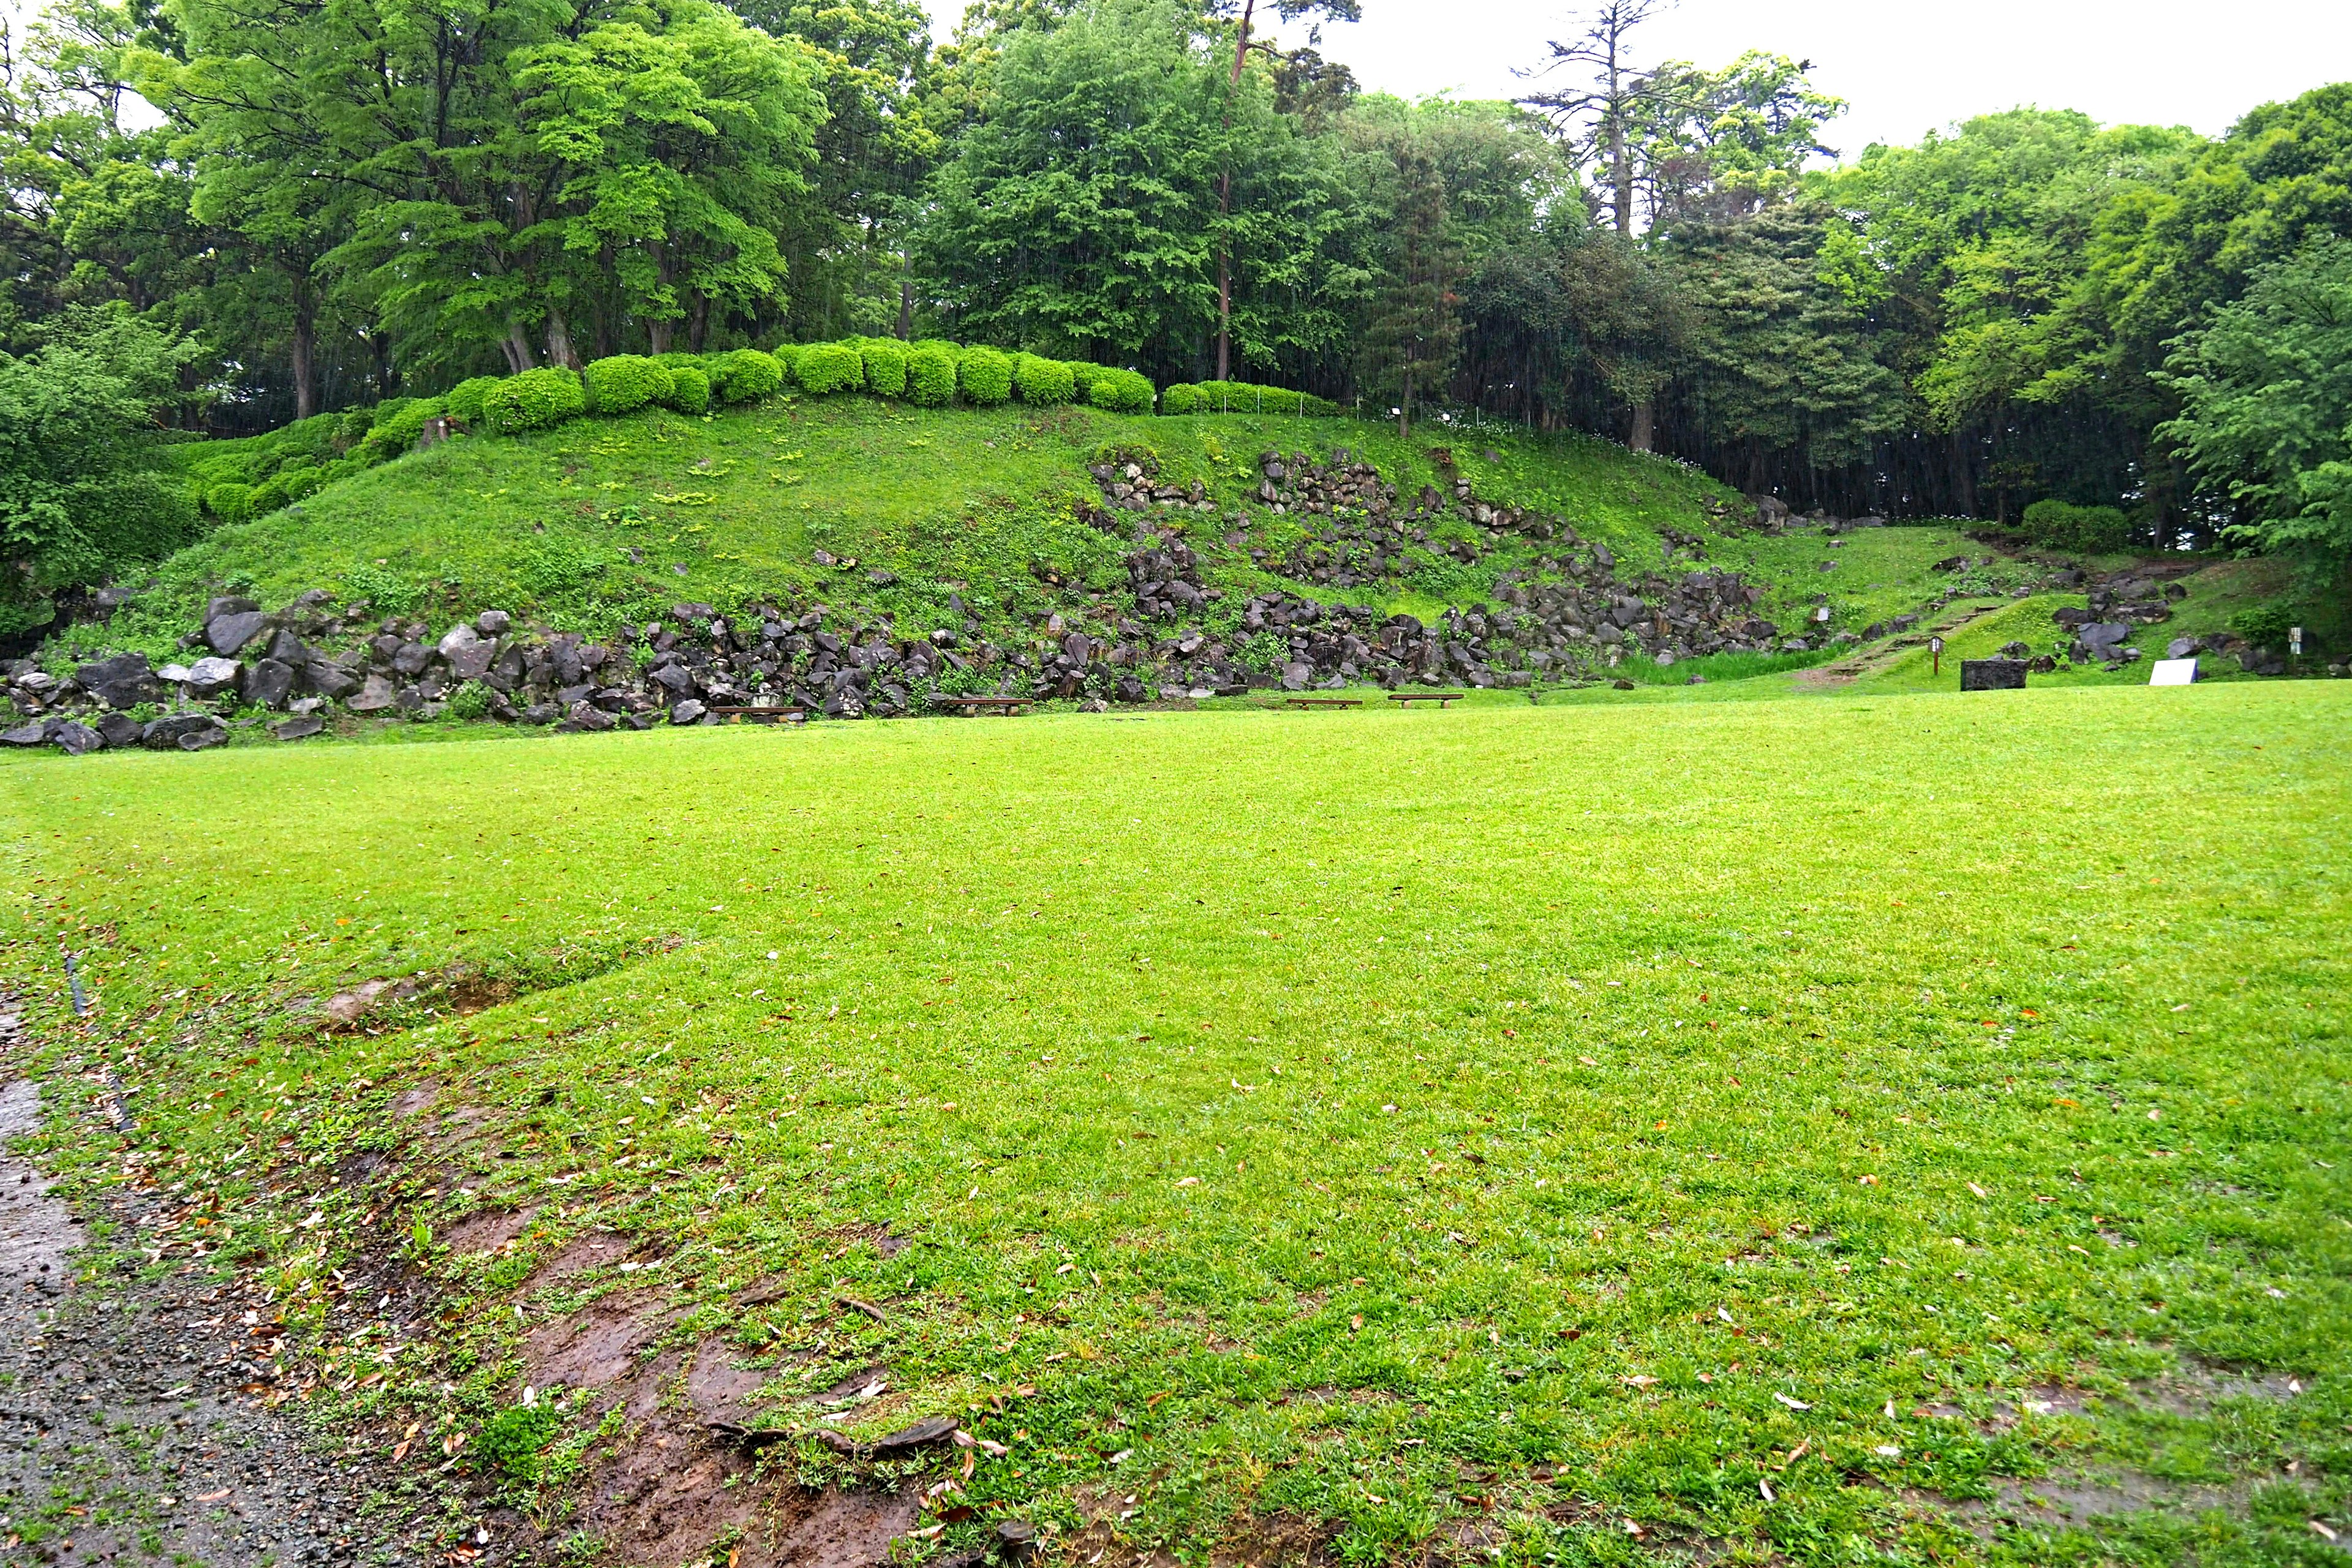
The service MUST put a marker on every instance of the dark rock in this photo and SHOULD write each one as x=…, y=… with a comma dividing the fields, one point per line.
x=211, y=676
x=286, y=649
x=173, y=730
x=493, y=622
x=33, y=734
x=299, y=729
x=1992, y=675
x=119, y=682
x=2100, y=636
x=229, y=605
x=687, y=712
x=329, y=680
x=2184, y=647
x=586, y=716
x=227, y=634
x=541, y=713
x=411, y=659
x=270, y=683
x=2262, y=661
x=77, y=739
x=119, y=729
x=374, y=696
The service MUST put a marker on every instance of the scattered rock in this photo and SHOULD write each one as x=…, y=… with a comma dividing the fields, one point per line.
x=299, y=728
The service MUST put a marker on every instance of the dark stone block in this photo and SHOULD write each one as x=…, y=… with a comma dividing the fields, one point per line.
x=1992, y=675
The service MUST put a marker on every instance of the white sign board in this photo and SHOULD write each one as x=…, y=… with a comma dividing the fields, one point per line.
x=2173, y=672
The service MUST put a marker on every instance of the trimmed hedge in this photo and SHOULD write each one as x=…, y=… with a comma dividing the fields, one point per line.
x=885, y=366
x=535, y=400
x=747, y=375
x=930, y=376
x=230, y=502
x=1083, y=374
x=828, y=368
x=1121, y=392
x=2093, y=530
x=985, y=376
x=624, y=382
x=463, y=401
x=1245, y=397
x=689, y=390
x=398, y=423
x=1040, y=380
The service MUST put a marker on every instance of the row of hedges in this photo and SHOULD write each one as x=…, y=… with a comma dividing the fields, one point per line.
x=2091, y=530
x=247, y=479
x=1243, y=397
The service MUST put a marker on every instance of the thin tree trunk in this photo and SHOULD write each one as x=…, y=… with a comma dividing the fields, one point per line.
x=558, y=340
x=697, y=319
x=905, y=296
x=305, y=350
x=517, y=347
x=1644, y=437
x=1404, y=410
x=1225, y=204
x=658, y=334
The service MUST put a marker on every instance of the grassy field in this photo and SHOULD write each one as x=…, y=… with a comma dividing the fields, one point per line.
x=1795, y=1130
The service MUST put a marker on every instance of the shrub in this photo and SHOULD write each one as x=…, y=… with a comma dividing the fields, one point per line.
x=985, y=376
x=2094, y=529
x=1121, y=392
x=675, y=361
x=1041, y=380
x=747, y=375
x=2264, y=625
x=1247, y=398
x=885, y=366
x=624, y=382
x=828, y=368
x=355, y=425
x=300, y=482
x=1180, y=399
x=689, y=390
x=464, y=401
x=788, y=356
x=230, y=502
x=267, y=496
x=1083, y=375
x=534, y=400
x=930, y=376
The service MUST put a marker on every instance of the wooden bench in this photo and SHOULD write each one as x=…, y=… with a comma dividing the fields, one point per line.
x=1442, y=699
x=761, y=715
x=1008, y=707
x=1323, y=702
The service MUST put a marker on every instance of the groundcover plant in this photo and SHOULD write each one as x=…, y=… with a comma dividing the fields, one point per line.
x=1817, y=1129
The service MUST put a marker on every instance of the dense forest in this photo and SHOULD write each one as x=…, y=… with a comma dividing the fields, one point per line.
x=224, y=215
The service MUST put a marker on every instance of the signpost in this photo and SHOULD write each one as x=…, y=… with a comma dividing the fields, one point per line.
x=2295, y=641
x=1936, y=648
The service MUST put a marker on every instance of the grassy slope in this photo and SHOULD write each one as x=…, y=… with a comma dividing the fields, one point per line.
x=605, y=520
x=1513, y=1056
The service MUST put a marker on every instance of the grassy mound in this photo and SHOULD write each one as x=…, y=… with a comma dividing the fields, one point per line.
x=1748, y=1127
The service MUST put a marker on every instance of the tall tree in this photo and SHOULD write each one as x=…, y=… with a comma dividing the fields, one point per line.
x=1412, y=332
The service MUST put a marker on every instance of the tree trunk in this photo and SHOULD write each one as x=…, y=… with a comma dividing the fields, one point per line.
x=305, y=350
x=1644, y=437
x=387, y=375
x=1225, y=207
x=697, y=319
x=905, y=296
x=1964, y=479
x=517, y=347
x=1404, y=410
x=658, y=334
x=558, y=340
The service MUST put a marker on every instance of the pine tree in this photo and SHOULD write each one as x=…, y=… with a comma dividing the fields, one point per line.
x=1414, y=331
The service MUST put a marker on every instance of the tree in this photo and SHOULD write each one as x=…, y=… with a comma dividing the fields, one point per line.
x=1414, y=332
x=1721, y=144
x=81, y=493
x=1596, y=117
x=2266, y=406
x=1082, y=212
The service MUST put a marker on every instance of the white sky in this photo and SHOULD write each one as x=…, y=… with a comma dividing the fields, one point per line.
x=1903, y=67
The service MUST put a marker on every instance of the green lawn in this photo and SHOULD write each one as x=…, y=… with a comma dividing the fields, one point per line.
x=1496, y=1127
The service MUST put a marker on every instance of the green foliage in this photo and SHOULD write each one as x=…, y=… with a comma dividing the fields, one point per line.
x=1181, y=398
x=535, y=400
x=2267, y=404
x=1082, y=379
x=398, y=425
x=267, y=496
x=748, y=376
x=623, y=383
x=2092, y=529
x=511, y=1443
x=930, y=376
x=558, y=568
x=1041, y=381
x=1121, y=392
x=984, y=376
x=1243, y=398
x=390, y=591
x=2264, y=625
x=463, y=401
x=230, y=502
x=825, y=368
x=689, y=390
x=886, y=367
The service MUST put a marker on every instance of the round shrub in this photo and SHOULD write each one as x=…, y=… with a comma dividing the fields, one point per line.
x=828, y=368
x=268, y=495
x=300, y=482
x=396, y=428
x=535, y=400
x=624, y=382
x=1082, y=378
x=464, y=401
x=789, y=356
x=1041, y=381
x=230, y=502
x=689, y=390
x=1180, y=399
x=1121, y=392
x=2096, y=529
x=930, y=376
x=885, y=366
x=985, y=377
x=747, y=375
x=675, y=361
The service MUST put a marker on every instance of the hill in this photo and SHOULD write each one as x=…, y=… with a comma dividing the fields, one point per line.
x=852, y=556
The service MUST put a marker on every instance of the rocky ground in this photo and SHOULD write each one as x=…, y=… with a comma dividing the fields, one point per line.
x=126, y=1434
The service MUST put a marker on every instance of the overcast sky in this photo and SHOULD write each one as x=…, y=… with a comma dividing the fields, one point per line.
x=1902, y=67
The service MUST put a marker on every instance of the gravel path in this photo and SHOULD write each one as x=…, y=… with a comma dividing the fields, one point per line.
x=123, y=1436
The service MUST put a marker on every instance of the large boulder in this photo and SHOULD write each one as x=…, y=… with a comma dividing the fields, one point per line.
x=119, y=729
x=467, y=654
x=178, y=729
x=374, y=696
x=212, y=677
x=119, y=682
x=227, y=634
x=329, y=680
x=270, y=683
x=77, y=739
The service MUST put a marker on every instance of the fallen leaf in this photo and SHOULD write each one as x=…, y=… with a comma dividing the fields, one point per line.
x=1978, y=1191
x=1793, y=1403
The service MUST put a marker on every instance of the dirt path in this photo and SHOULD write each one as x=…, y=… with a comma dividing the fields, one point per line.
x=122, y=1436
